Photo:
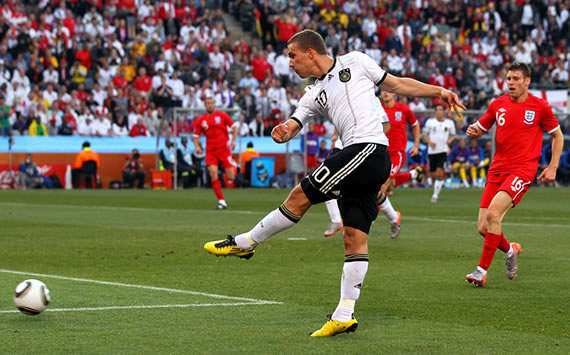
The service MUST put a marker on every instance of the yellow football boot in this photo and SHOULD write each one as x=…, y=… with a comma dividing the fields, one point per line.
x=334, y=327
x=227, y=247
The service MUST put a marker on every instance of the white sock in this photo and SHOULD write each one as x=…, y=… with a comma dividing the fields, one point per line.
x=334, y=213
x=413, y=174
x=437, y=187
x=429, y=181
x=223, y=202
x=353, y=273
x=483, y=271
x=275, y=222
x=389, y=211
x=511, y=251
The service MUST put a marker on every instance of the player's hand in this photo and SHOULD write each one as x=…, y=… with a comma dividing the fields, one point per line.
x=233, y=145
x=432, y=144
x=547, y=175
x=198, y=150
x=452, y=100
x=474, y=131
x=280, y=133
x=414, y=150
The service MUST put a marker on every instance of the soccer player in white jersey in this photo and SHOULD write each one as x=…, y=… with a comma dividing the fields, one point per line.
x=343, y=93
x=438, y=133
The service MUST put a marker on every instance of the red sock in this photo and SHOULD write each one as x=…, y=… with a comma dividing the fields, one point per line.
x=217, y=186
x=230, y=184
x=489, y=249
x=504, y=244
x=402, y=178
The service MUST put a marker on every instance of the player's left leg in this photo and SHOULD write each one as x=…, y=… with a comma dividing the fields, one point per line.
x=334, y=215
x=217, y=186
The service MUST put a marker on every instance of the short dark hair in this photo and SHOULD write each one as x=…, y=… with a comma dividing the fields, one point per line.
x=523, y=67
x=309, y=39
x=86, y=144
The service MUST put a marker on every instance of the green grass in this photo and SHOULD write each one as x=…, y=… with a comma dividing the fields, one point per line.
x=414, y=299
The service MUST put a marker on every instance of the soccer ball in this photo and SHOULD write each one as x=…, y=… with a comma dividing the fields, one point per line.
x=31, y=297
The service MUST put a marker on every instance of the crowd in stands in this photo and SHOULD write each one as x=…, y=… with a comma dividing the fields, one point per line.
x=117, y=67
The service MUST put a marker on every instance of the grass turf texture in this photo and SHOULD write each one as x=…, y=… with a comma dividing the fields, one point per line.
x=414, y=298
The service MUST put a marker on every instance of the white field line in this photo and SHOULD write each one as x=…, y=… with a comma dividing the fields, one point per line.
x=110, y=308
x=417, y=218
x=120, y=284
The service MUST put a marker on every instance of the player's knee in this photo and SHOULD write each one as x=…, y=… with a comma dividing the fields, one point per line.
x=355, y=241
x=297, y=202
x=492, y=216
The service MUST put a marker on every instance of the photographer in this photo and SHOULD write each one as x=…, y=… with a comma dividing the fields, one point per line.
x=134, y=171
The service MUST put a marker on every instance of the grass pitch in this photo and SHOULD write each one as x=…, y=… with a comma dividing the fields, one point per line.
x=128, y=274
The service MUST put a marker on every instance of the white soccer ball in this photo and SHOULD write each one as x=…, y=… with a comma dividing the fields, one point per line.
x=31, y=297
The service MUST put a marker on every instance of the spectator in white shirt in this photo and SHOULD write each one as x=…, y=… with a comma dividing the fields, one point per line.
x=50, y=75
x=374, y=52
x=102, y=126
x=351, y=6
x=106, y=74
x=50, y=94
x=85, y=127
x=177, y=87
x=119, y=128
x=216, y=59
x=394, y=62
x=281, y=67
x=559, y=74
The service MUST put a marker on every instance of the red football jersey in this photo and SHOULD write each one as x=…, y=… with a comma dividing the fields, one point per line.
x=519, y=132
x=215, y=127
x=399, y=115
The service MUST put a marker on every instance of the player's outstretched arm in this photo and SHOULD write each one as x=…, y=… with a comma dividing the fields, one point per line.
x=549, y=174
x=283, y=132
x=411, y=87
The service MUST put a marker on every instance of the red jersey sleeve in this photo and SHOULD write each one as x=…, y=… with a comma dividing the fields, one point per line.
x=198, y=126
x=549, y=122
x=410, y=117
x=488, y=118
x=227, y=119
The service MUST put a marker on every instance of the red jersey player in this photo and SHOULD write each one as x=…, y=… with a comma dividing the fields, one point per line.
x=400, y=115
x=215, y=126
x=520, y=121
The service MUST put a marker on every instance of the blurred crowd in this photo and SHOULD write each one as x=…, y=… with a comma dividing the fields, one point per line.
x=117, y=67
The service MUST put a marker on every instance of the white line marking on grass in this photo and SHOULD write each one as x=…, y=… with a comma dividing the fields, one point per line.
x=140, y=209
x=172, y=290
x=158, y=306
x=296, y=238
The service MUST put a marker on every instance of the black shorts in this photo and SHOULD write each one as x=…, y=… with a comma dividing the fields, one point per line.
x=436, y=161
x=354, y=176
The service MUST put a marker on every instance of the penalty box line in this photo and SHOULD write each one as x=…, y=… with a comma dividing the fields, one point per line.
x=144, y=287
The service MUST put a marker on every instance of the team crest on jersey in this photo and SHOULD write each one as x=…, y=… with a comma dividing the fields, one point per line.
x=344, y=75
x=529, y=117
x=217, y=119
x=398, y=116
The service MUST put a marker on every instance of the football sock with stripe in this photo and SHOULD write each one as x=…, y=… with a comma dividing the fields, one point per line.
x=334, y=213
x=353, y=273
x=273, y=223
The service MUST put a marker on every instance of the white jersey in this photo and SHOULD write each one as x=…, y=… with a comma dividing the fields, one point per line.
x=346, y=96
x=439, y=132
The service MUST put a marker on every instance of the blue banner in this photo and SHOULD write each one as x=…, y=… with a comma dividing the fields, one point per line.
x=262, y=169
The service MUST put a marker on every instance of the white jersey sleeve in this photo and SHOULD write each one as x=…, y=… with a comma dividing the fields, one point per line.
x=372, y=70
x=307, y=108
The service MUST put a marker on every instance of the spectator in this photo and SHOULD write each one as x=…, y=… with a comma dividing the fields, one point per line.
x=139, y=129
x=246, y=156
